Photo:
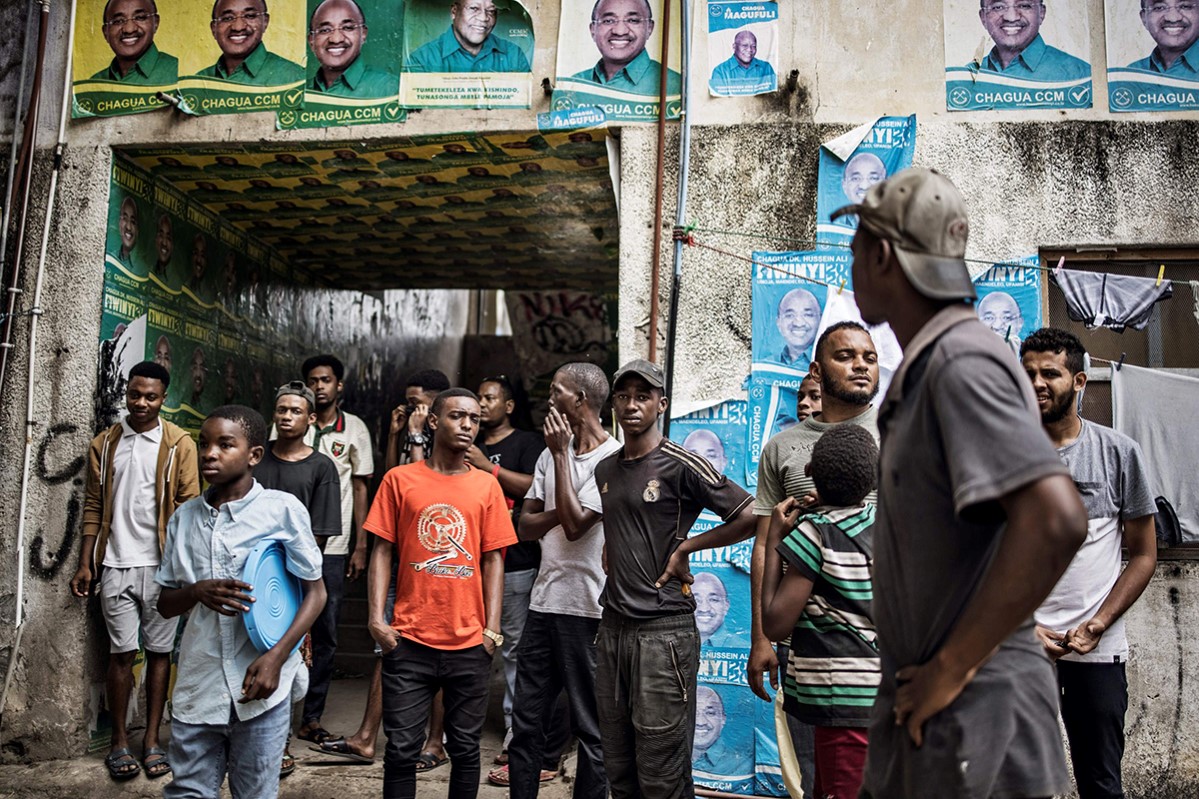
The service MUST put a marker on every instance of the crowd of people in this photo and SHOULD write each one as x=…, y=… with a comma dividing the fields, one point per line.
x=936, y=574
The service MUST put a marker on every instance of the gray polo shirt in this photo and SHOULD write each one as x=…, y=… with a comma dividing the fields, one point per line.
x=960, y=430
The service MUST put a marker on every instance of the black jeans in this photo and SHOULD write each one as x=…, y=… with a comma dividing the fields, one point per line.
x=412, y=675
x=556, y=652
x=645, y=693
x=1094, y=699
x=324, y=639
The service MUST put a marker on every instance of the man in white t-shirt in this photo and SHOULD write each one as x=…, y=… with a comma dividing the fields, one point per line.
x=1081, y=623
x=557, y=649
x=345, y=439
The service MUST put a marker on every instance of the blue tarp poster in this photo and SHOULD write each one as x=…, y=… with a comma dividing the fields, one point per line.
x=1009, y=299
x=886, y=148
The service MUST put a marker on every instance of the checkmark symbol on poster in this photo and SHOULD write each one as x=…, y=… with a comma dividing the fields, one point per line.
x=391, y=111
x=1079, y=94
x=294, y=97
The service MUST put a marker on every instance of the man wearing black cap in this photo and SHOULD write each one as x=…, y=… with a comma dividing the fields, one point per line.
x=652, y=491
x=977, y=520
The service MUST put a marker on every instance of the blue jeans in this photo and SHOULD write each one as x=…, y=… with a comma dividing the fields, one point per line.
x=645, y=682
x=250, y=751
x=557, y=653
x=324, y=639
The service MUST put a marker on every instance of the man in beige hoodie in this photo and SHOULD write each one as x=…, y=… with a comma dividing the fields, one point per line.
x=139, y=471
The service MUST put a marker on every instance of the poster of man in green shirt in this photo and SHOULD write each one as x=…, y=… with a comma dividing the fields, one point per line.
x=626, y=80
x=352, y=67
x=134, y=69
x=467, y=53
x=242, y=73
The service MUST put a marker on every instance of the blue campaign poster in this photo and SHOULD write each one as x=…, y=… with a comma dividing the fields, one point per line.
x=1152, y=56
x=716, y=434
x=1009, y=299
x=743, y=51
x=1014, y=54
x=768, y=773
x=722, y=754
x=887, y=148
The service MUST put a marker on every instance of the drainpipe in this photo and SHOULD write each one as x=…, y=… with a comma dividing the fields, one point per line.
x=680, y=210
x=656, y=255
x=23, y=187
x=35, y=314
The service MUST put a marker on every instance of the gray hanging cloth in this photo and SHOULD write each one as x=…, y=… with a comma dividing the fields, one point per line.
x=1098, y=299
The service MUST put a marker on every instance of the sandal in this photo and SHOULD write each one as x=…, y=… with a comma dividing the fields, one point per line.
x=341, y=748
x=499, y=776
x=429, y=761
x=287, y=766
x=318, y=736
x=154, y=762
x=122, y=765
x=502, y=758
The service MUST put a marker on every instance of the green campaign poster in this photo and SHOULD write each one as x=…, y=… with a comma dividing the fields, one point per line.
x=467, y=54
x=123, y=58
x=353, y=65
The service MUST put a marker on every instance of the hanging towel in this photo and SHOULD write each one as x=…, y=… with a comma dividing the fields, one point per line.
x=1158, y=410
x=1195, y=297
x=1113, y=301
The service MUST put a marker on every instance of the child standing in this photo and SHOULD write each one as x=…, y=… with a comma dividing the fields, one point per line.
x=823, y=600
x=230, y=713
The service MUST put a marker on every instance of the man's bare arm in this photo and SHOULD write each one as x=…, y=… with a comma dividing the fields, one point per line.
x=762, y=656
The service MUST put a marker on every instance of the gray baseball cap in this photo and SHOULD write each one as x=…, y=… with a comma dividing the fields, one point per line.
x=299, y=389
x=650, y=372
x=923, y=215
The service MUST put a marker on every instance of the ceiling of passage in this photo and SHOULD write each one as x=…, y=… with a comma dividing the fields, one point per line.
x=503, y=211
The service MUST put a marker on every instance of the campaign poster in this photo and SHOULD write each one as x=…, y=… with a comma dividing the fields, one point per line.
x=1009, y=299
x=716, y=434
x=353, y=78
x=468, y=54
x=164, y=346
x=722, y=752
x=167, y=264
x=743, y=48
x=768, y=771
x=722, y=612
x=1152, y=56
x=609, y=56
x=886, y=148
x=241, y=57
x=124, y=56
x=197, y=370
x=128, y=249
x=1014, y=54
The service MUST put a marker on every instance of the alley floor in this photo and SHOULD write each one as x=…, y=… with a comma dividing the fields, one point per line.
x=316, y=777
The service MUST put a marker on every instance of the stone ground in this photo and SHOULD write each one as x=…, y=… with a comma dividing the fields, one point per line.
x=316, y=777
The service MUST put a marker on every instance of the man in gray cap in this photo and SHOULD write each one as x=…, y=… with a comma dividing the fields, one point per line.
x=652, y=491
x=977, y=520
x=288, y=464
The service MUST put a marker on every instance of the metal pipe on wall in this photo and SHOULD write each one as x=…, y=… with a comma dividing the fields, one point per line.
x=35, y=314
x=656, y=253
x=680, y=210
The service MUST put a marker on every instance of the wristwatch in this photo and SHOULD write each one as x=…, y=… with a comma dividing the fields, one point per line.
x=416, y=439
x=494, y=636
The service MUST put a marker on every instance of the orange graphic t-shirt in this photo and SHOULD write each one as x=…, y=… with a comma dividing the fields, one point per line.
x=441, y=525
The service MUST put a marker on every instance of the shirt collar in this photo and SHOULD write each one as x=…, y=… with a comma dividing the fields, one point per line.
x=1031, y=55
x=253, y=64
x=144, y=65
x=944, y=319
x=154, y=434
x=449, y=44
x=634, y=70
x=350, y=77
x=1190, y=57
x=237, y=506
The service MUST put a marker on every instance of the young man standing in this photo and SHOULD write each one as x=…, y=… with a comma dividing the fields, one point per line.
x=652, y=491
x=442, y=526
x=139, y=471
x=290, y=465
x=344, y=438
x=563, y=511
x=977, y=520
x=1081, y=624
x=408, y=437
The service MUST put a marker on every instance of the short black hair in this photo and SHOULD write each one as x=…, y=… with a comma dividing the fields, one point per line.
x=430, y=380
x=1056, y=340
x=450, y=393
x=590, y=379
x=216, y=3
x=505, y=386
x=354, y=3
x=249, y=420
x=649, y=10
x=844, y=465
x=847, y=324
x=152, y=370
x=153, y=5
x=332, y=361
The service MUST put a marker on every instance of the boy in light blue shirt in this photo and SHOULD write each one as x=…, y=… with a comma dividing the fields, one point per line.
x=230, y=713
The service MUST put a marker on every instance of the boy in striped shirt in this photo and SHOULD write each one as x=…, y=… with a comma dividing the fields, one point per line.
x=822, y=598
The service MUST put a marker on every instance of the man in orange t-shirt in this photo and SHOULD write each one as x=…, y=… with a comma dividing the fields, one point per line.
x=444, y=525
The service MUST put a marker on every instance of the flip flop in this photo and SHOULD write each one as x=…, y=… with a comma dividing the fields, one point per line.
x=118, y=764
x=499, y=776
x=154, y=763
x=318, y=736
x=340, y=748
x=287, y=766
x=429, y=761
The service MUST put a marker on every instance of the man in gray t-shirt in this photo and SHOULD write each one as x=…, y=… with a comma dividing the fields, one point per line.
x=977, y=520
x=1081, y=624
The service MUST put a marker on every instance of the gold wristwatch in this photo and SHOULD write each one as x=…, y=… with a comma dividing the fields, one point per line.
x=494, y=636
